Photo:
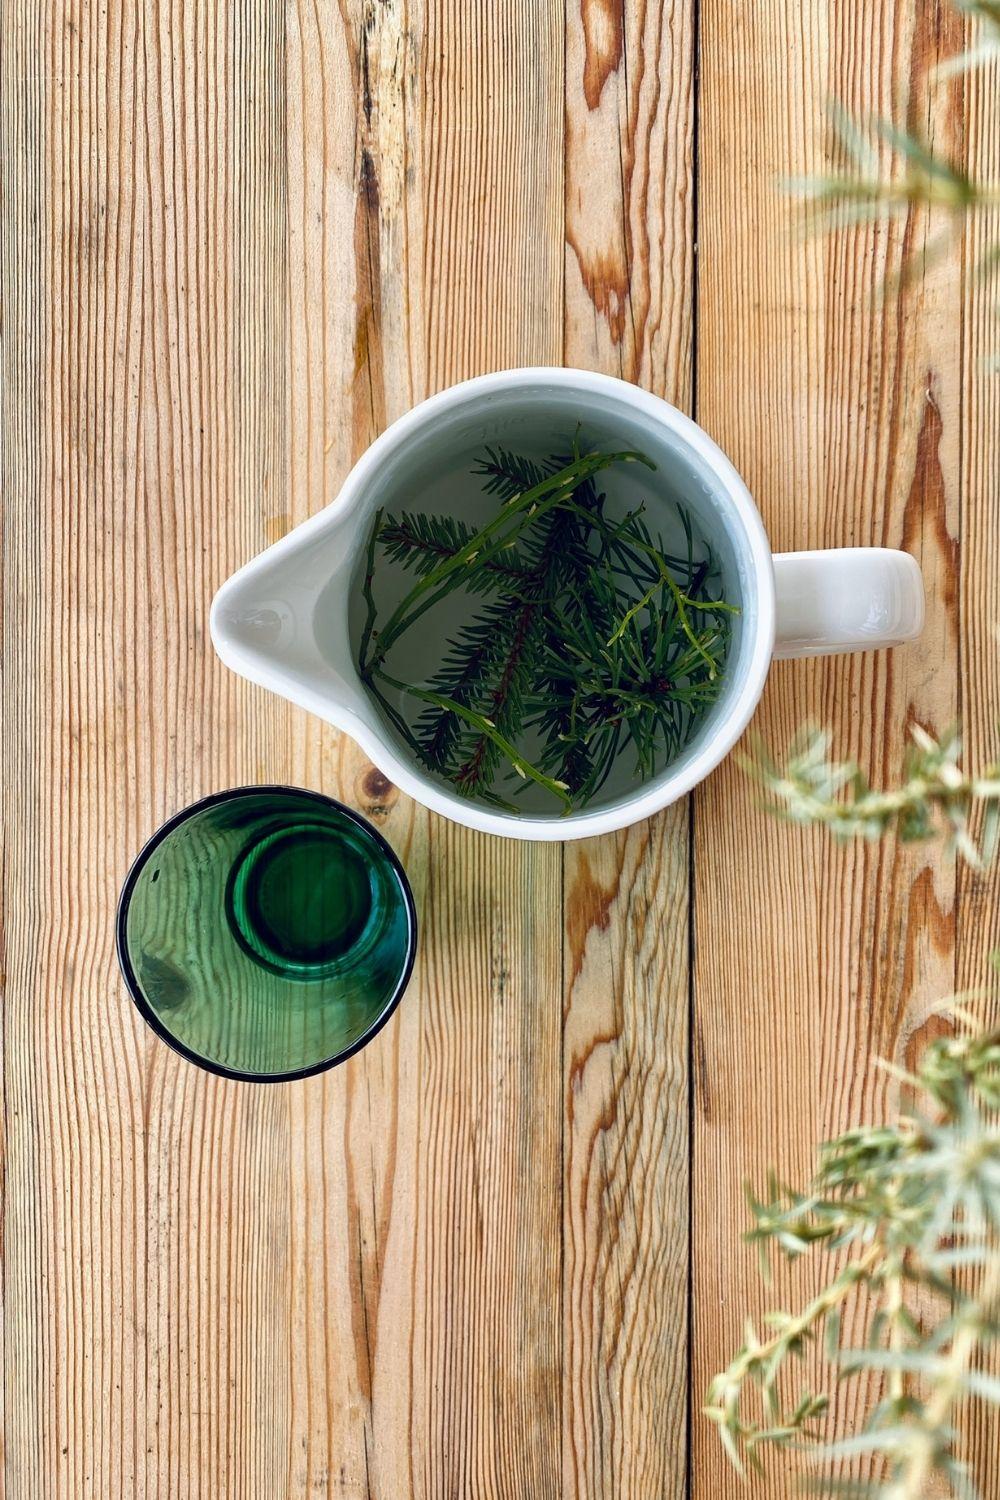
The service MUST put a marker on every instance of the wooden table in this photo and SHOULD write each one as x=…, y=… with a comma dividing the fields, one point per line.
x=498, y=1254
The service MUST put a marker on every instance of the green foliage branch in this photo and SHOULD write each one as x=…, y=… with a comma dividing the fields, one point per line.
x=908, y=1214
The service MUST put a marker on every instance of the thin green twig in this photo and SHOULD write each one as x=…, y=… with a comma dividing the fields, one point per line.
x=936, y=795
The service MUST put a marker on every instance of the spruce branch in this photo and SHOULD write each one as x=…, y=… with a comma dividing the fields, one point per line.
x=470, y=665
x=488, y=730
x=511, y=636
x=509, y=474
x=419, y=543
x=487, y=544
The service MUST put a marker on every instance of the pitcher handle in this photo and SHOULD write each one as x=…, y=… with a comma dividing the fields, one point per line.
x=846, y=599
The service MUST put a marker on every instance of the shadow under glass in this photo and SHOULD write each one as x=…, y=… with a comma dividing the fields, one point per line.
x=267, y=932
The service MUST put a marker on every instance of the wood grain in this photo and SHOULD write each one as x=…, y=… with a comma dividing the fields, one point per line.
x=237, y=242
x=424, y=1178
x=629, y=312
x=844, y=408
x=977, y=907
x=128, y=1326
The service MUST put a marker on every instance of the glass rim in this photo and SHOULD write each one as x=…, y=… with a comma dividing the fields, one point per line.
x=149, y=1015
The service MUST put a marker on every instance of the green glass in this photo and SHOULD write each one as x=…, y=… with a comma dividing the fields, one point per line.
x=266, y=933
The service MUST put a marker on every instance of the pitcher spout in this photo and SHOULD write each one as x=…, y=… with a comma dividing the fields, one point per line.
x=265, y=626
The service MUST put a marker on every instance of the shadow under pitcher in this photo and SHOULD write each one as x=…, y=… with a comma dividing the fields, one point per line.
x=266, y=932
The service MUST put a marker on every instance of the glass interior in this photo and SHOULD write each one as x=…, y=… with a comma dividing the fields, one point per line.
x=267, y=933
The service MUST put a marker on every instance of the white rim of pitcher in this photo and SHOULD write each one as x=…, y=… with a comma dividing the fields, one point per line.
x=655, y=795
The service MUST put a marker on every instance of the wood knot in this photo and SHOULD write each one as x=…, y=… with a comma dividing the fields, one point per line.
x=377, y=792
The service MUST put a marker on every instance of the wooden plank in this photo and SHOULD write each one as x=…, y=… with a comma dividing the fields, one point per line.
x=211, y=1231
x=843, y=410
x=629, y=282
x=979, y=607
x=212, y=1288
x=127, y=1324
x=424, y=187
x=25, y=1142
x=978, y=909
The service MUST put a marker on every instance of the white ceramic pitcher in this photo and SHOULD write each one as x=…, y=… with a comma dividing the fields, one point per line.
x=283, y=620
